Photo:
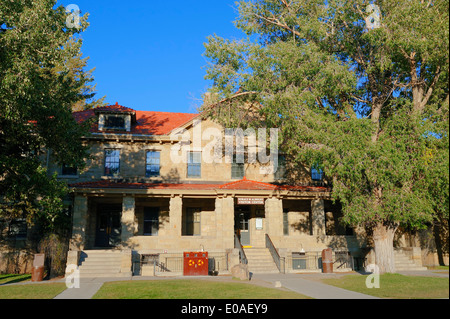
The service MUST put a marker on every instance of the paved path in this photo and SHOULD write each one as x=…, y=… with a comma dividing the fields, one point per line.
x=311, y=288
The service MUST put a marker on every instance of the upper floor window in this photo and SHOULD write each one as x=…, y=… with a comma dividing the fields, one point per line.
x=194, y=166
x=316, y=173
x=18, y=229
x=237, y=169
x=114, y=122
x=152, y=167
x=112, y=162
x=68, y=170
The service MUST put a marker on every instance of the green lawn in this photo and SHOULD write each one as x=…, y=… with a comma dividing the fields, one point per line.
x=31, y=291
x=190, y=289
x=396, y=286
x=11, y=278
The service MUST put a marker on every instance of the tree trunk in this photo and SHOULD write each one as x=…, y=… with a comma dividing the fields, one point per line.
x=383, y=237
x=438, y=242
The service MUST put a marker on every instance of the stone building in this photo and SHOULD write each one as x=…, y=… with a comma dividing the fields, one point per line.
x=147, y=195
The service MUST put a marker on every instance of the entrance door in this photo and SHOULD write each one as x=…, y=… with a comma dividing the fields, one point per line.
x=241, y=225
x=109, y=226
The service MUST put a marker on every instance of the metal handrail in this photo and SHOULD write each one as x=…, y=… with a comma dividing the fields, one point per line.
x=279, y=261
x=237, y=244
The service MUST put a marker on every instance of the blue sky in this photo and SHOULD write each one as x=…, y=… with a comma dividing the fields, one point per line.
x=148, y=54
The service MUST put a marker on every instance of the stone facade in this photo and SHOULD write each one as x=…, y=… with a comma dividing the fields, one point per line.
x=172, y=212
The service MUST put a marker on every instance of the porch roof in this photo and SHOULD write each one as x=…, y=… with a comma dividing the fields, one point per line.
x=243, y=184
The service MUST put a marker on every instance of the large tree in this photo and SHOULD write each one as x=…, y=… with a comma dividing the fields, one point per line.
x=39, y=85
x=358, y=88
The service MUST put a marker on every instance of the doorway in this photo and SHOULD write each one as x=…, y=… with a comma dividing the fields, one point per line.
x=108, y=226
x=241, y=224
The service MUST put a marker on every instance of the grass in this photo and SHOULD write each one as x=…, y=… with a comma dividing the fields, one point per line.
x=190, y=289
x=12, y=278
x=27, y=291
x=396, y=286
x=31, y=291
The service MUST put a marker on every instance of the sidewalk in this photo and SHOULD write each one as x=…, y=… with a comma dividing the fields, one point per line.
x=311, y=288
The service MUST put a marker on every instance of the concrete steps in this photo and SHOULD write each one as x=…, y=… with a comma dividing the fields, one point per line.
x=260, y=261
x=404, y=263
x=101, y=263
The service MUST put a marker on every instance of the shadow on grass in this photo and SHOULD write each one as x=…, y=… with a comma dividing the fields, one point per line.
x=13, y=278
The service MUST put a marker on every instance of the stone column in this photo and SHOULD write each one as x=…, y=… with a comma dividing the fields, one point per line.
x=80, y=217
x=274, y=217
x=175, y=215
x=318, y=217
x=129, y=225
x=225, y=221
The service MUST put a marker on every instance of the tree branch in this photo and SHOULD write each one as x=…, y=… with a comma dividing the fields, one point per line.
x=423, y=103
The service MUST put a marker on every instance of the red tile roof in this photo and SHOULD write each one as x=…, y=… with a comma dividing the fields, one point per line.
x=147, y=122
x=238, y=185
x=248, y=184
x=114, y=108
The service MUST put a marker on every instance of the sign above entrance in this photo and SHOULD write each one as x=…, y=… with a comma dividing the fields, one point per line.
x=250, y=201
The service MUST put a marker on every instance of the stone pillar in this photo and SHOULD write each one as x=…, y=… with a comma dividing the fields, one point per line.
x=318, y=217
x=274, y=217
x=128, y=220
x=175, y=215
x=80, y=217
x=225, y=221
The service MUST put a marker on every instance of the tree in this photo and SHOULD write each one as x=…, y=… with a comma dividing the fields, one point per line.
x=364, y=84
x=38, y=87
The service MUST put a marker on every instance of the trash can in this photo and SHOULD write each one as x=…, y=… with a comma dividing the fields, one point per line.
x=212, y=267
x=327, y=261
x=37, y=273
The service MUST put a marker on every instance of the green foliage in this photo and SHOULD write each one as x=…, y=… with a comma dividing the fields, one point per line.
x=39, y=84
x=367, y=103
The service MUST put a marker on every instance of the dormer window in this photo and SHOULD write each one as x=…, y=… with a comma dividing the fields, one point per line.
x=115, y=118
x=114, y=122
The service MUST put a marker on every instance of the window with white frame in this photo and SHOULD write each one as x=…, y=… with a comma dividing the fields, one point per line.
x=194, y=166
x=112, y=162
x=153, y=161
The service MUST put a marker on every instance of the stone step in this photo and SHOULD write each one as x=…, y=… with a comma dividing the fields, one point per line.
x=404, y=263
x=101, y=263
x=260, y=261
x=410, y=268
x=104, y=274
x=105, y=261
x=100, y=267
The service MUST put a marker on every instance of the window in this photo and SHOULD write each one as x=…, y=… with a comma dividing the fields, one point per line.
x=316, y=173
x=191, y=222
x=153, y=164
x=112, y=162
x=281, y=169
x=18, y=229
x=151, y=221
x=194, y=166
x=237, y=169
x=68, y=171
x=114, y=122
